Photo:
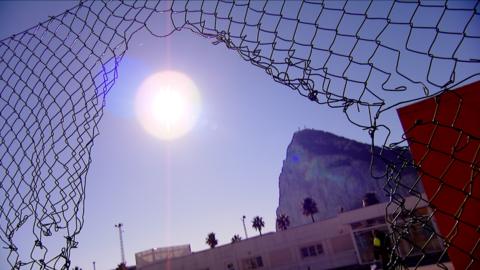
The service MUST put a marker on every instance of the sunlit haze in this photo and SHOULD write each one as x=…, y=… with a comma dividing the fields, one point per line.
x=167, y=104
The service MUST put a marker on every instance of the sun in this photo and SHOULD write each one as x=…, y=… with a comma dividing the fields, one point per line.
x=167, y=104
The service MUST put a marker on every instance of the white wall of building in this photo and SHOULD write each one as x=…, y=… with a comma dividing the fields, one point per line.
x=280, y=250
x=321, y=245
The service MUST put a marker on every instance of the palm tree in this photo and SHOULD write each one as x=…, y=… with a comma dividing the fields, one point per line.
x=369, y=199
x=258, y=224
x=309, y=207
x=121, y=266
x=211, y=240
x=283, y=222
x=236, y=238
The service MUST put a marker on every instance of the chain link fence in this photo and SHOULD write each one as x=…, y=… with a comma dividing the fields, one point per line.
x=365, y=58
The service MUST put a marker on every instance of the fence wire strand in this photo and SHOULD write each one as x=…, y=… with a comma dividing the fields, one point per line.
x=366, y=58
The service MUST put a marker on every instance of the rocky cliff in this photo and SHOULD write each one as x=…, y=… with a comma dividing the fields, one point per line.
x=334, y=171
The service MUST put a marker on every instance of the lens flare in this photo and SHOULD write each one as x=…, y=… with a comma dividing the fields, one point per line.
x=167, y=105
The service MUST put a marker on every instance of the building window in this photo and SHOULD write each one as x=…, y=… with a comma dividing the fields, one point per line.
x=304, y=252
x=253, y=263
x=421, y=239
x=311, y=251
x=364, y=242
x=319, y=248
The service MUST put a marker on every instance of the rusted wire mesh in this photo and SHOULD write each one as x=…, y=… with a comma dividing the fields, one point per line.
x=366, y=58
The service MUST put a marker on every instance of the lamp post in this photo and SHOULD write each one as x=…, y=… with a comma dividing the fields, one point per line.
x=244, y=227
x=122, y=250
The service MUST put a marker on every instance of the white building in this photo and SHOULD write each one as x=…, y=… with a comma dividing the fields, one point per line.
x=343, y=241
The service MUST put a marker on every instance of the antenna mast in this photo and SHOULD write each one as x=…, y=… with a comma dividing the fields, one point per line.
x=122, y=250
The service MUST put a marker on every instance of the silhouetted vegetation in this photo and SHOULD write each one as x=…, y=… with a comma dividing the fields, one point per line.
x=121, y=266
x=258, y=224
x=211, y=240
x=309, y=207
x=369, y=199
x=236, y=238
x=283, y=222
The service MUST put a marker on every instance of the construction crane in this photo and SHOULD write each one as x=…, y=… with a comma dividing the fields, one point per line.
x=122, y=250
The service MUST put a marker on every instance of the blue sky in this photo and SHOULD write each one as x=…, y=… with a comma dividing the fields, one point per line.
x=176, y=192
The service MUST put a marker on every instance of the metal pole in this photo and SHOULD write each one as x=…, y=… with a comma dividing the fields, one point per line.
x=122, y=250
x=94, y=265
x=244, y=227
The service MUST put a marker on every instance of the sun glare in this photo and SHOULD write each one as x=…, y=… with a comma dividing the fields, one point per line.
x=168, y=104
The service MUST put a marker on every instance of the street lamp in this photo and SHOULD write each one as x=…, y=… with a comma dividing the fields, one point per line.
x=244, y=227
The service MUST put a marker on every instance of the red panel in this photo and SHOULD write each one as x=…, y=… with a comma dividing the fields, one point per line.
x=443, y=134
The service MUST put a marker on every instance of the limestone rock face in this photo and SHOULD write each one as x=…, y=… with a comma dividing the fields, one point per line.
x=335, y=172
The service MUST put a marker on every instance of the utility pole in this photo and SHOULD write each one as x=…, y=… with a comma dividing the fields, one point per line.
x=244, y=228
x=122, y=250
